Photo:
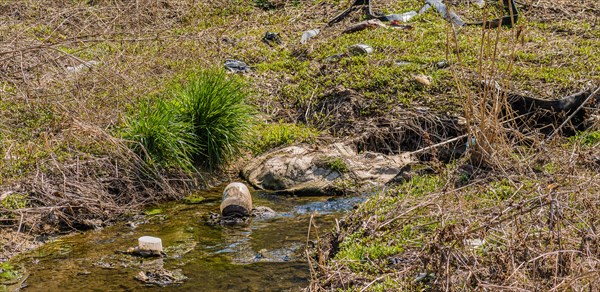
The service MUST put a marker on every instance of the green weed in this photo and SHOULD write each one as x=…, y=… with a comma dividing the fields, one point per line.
x=205, y=121
x=8, y=273
x=15, y=201
x=214, y=103
x=162, y=137
x=336, y=164
x=269, y=136
x=588, y=138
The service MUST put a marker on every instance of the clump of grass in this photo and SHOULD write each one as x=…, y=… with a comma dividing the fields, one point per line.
x=162, y=137
x=269, y=136
x=214, y=103
x=204, y=122
x=337, y=164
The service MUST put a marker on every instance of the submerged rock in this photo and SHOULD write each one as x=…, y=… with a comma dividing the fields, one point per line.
x=311, y=170
x=263, y=212
x=161, y=277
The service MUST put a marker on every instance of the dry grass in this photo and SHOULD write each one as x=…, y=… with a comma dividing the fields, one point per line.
x=519, y=213
x=58, y=123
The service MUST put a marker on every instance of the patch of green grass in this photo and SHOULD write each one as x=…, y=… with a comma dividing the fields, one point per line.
x=194, y=199
x=200, y=120
x=586, y=138
x=15, y=201
x=161, y=136
x=500, y=190
x=155, y=211
x=8, y=273
x=269, y=136
x=421, y=185
x=336, y=164
x=215, y=104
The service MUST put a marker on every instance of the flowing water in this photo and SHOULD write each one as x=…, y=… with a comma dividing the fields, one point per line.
x=262, y=255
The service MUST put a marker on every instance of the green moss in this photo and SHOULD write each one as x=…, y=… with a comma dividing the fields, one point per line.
x=154, y=211
x=8, y=273
x=336, y=164
x=193, y=199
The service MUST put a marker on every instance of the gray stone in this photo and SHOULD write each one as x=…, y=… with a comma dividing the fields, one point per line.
x=311, y=170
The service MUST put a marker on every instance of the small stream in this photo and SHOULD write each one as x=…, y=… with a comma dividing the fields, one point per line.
x=263, y=255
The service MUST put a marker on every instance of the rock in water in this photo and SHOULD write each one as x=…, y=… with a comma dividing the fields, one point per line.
x=310, y=170
x=237, y=200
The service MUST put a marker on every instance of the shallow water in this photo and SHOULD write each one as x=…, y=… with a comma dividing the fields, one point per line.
x=263, y=255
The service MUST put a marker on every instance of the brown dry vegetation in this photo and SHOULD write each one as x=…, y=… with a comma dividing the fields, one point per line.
x=64, y=166
x=518, y=212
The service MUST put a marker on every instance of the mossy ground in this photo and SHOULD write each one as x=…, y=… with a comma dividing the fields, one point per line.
x=57, y=122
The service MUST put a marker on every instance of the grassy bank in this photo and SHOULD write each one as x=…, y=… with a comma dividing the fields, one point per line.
x=73, y=73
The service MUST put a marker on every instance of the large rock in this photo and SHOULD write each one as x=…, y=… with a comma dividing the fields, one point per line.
x=311, y=170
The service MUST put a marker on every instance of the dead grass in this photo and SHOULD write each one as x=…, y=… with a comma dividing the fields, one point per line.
x=518, y=213
x=59, y=110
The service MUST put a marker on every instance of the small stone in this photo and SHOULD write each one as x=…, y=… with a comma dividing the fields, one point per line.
x=442, y=64
x=423, y=80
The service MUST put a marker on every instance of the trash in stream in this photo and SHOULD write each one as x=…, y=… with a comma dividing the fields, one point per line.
x=237, y=201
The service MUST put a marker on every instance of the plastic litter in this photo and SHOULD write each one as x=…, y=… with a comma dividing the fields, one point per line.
x=309, y=34
x=83, y=65
x=404, y=17
x=479, y=3
x=443, y=11
x=442, y=64
x=372, y=23
x=335, y=58
x=423, y=80
x=402, y=63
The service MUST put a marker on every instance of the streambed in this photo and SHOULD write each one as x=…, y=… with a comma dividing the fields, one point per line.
x=263, y=255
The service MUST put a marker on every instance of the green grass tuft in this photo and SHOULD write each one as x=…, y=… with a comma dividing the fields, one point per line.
x=269, y=136
x=162, y=137
x=204, y=122
x=214, y=103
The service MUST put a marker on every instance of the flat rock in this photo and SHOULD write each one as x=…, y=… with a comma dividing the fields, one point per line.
x=310, y=170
